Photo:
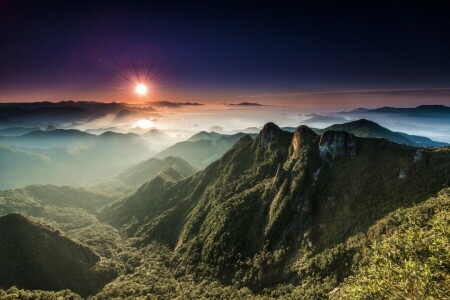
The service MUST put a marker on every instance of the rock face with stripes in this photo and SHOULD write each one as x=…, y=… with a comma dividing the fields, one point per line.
x=334, y=144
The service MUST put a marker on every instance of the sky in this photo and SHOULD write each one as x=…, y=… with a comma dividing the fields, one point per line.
x=311, y=56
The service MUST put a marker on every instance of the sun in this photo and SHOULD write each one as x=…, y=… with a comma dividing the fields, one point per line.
x=141, y=89
x=144, y=124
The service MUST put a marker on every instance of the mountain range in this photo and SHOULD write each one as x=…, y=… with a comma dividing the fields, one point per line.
x=421, y=110
x=201, y=149
x=280, y=193
x=370, y=129
x=50, y=154
x=354, y=211
x=146, y=170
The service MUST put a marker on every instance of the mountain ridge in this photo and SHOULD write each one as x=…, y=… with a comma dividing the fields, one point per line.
x=280, y=192
x=146, y=170
x=370, y=129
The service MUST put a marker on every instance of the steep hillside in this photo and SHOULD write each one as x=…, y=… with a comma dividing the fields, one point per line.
x=146, y=170
x=404, y=256
x=33, y=256
x=282, y=194
x=202, y=152
x=133, y=210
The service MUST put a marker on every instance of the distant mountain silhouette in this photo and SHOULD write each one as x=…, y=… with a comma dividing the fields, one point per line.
x=16, y=131
x=370, y=129
x=422, y=110
x=203, y=135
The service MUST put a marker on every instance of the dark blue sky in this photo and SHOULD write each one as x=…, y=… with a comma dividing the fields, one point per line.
x=61, y=48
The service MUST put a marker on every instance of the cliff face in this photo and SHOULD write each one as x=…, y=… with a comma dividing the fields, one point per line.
x=303, y=136
x=269, y=133
x=334, y=144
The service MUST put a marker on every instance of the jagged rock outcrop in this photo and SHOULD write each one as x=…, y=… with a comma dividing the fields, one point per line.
x=303, y=136
x=334, y=144
x=269, y=133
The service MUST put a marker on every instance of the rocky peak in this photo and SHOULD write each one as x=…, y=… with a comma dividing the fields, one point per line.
x=303, y=135
x=335, y=144
x=269, y=133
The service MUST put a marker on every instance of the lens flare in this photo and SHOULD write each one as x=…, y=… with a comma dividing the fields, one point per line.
x=141, y=89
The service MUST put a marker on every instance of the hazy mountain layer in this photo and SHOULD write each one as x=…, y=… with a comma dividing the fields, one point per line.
x=146, y=170
x=369, y=129
x=67, y=157
x=202, y=151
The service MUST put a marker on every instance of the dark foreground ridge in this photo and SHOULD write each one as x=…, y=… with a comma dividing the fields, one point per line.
x=37, y=257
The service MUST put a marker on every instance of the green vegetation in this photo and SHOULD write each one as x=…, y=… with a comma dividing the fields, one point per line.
x=14, y=293
x=284, y=216
x=146, y=170
x=407, y=255
x=67, y=157
x=279, y=193
x=36, y=256
x=201, y=151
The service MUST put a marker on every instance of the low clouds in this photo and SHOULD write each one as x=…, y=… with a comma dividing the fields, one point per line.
x=318, y=118
x=171, y=104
